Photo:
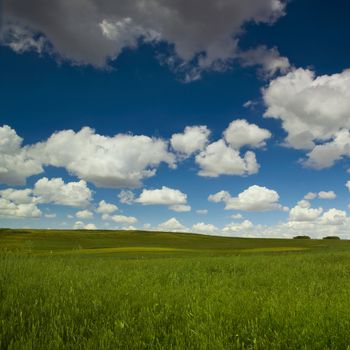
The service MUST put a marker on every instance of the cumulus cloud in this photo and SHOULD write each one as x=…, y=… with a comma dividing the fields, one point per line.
x=201, y=227
x=235, y=227
x=303, y=212
x=106, y=208
x=193, y=139
x=15, y=162
x=314, y=111
x=327, y=195
x=79, y=225
x=11, y=209
x=310, y=196
x=172, y=225
x=126, y=197
x=123, y=219
x=223, y=156
x=334, y=217
x=56, y=191
x=94, y=32
x=254, y=198
x=84, y=214
x=175, y=199
x=118, y=161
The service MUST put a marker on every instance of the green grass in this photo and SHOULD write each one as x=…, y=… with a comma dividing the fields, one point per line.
x=142, y=290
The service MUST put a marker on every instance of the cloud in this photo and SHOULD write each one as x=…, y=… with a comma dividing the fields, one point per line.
x=240, y=133
x=123, y=219
x=237, y=216
x=115, y=162
x=201, y=227
x=94, y=32
x=269, y=61
x=193, y=139
x=84, y=214
x=235, y=227
x=163, y=196
x=172, y=225
x=310, y=196
x=327, y=195
x=334, y=217
x=106, y=208
x=180, y=208
x=17, y=196
x=202, y=211
x=79, y=225
x=15, y=162
x=314, y=111
x=11, y=209
x=219, y=159
x=50, y=216
x=126, y=197
x=254, y=198
x=303, y=212
x=75, y=194
x=223, y=156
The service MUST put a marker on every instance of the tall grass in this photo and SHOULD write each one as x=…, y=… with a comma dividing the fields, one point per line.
x=261, y=301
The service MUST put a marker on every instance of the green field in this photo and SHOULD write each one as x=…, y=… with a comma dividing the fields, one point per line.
x=147, y=290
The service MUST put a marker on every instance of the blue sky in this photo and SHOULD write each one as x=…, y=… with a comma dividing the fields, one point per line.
x=265, y=77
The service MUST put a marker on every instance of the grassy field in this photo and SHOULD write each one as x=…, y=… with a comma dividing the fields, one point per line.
x=142, y=290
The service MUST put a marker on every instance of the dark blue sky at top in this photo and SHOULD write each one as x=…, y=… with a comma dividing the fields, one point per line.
x=39, y=96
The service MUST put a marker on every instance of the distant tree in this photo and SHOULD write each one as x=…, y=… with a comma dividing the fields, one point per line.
x=331, y=237
x=301, y=237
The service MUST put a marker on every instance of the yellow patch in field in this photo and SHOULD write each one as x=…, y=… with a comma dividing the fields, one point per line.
x=273, y=249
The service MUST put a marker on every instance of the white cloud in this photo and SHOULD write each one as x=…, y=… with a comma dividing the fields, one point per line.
x=220, y=159
x=118, y=161
x=193, y=139
x=240, y=133
x=172, y=225
x=201, y=227
x=126, y=197
x=202, y=211
x=310, y=196
x=123, y=219
x=75, y=194
x=269, y=60
x=237, y=216
x=79, y=225
x=10, y=209
x=18, y=196
x=223, y=157
x=15, y=162
x=84, y=214
x=238, y=227
x=164, y=196
x=334, y=217
x=180, y=208
x=106, y=208
x=327, y=195
x=50, y=216
x=254, y=198
x=205, y=32
x=314, y=112
x=303, y=212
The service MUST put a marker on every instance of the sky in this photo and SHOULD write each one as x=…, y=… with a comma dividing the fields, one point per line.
x=225, y=118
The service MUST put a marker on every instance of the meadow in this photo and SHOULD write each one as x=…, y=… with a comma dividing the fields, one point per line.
x=156, y=290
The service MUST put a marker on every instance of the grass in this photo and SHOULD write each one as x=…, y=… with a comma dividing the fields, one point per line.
x=137, y=290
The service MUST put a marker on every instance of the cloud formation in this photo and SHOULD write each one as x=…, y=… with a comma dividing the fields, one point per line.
x=94, y=32
x=254, y=198
x=314, y=111
x=223, y=157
